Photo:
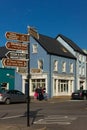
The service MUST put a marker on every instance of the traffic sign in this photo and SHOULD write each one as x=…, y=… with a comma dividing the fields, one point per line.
x=16, y=36
x=16, y=46
x=33, y=32
x=15, y=55
x=15, y=63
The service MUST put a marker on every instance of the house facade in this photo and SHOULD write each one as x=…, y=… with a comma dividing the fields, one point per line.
x=52, y=66
x=81, y=68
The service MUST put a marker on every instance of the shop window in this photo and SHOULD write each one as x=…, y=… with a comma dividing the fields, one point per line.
x=3, y=86
x=37, y=83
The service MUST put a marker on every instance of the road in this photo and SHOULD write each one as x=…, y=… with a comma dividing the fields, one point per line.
x=58, y=115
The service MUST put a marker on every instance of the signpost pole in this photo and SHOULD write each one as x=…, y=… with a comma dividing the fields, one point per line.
x=28, y=88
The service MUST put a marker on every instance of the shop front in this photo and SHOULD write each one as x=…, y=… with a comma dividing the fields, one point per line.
x=63, y=85
x=37, y=80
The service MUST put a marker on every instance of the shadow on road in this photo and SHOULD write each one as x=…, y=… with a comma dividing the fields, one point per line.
x=33, y=115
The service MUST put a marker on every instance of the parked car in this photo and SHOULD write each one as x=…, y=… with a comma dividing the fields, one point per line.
x=79, y=94
x=12, y=96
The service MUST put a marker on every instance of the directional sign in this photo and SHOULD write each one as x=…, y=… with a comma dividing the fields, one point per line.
x=16, y=46
x=15, y=55
x=34, y=33
x=15, y=63
x=17, y=36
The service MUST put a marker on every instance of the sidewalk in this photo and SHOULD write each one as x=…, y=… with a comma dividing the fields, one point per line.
x=20, y=127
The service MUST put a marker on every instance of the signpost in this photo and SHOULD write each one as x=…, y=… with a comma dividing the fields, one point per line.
x=15, y=63
x=13, y=58
x=15, y=55
x=17, y=36
x=16, y=46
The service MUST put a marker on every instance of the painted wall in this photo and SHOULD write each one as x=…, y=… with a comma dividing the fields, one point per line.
x=7, y=75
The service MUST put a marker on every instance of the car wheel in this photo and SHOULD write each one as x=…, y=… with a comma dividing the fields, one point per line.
x=84, y=97
x=7, y=101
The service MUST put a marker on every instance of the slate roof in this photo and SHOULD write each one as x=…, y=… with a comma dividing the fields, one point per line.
x=52, y=46
x=3, y=51
x=71, y=43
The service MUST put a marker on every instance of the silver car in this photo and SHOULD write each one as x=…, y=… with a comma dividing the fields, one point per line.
x=12, y=96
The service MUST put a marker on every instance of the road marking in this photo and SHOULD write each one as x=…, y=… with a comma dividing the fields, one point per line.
x=56, y=119
x=10, y=117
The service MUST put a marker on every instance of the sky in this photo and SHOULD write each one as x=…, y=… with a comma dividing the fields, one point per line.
x=48, y=17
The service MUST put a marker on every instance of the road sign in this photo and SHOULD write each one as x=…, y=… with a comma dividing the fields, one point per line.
x=17, y=36
x=15, y=55
x=34, y=33
x=16, y=46
x=15, y=63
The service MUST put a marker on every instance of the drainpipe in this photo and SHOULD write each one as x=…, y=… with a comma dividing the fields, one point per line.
x=50, y=75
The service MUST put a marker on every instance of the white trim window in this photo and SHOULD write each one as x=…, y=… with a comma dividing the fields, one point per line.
x=83, y=71
x=64, y=67
x=34, y=48
x=71, y=68
x=80, y=70
x=40, y=64
x=55, y=65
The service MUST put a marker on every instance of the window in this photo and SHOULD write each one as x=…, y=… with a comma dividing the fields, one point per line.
x=80, y=70
x=40, y=64
x=63, y=86
x=37, y=82
x=80, y=57
x=83, y=71
x=71, y=68
x=64, y=67
x=55, y=65
x=34, y=48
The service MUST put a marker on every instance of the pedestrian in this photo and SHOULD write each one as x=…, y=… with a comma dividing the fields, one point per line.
x=36, y=95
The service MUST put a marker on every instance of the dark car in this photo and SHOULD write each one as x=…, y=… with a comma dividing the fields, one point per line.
x=12, y=96
x=79, y=94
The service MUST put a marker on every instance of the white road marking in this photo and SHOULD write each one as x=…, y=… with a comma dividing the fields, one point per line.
x=10, y=117
x=56, y=119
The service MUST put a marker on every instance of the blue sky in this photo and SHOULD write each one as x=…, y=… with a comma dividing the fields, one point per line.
x=49, y=17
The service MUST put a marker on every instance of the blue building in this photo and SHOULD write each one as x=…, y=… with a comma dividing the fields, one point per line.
x=52, y=66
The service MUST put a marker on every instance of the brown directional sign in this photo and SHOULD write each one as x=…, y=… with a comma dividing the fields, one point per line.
x=17, y=36
x=16, y=46
x=34, y=33
x=15, y=63
x=15, y=55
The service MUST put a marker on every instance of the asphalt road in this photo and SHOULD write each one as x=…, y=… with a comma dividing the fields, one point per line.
x=54, y=114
